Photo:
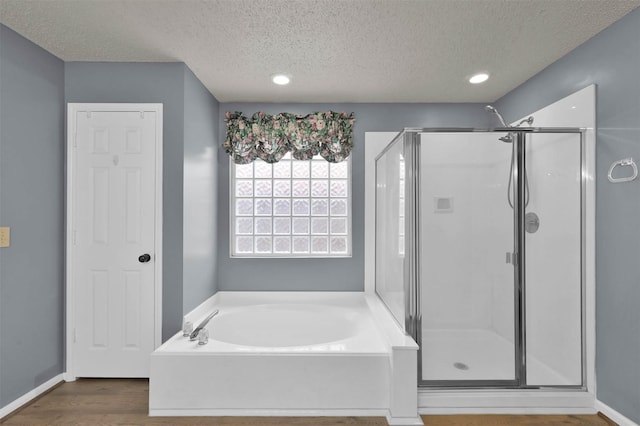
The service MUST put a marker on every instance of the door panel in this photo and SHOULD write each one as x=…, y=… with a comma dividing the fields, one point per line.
x=466, y=247
x=100, y=205
x=99, y=293
x=114, y=223
x=553, y=260
x=133, y=212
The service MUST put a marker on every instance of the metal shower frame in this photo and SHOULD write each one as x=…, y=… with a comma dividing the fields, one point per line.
x=410, y=138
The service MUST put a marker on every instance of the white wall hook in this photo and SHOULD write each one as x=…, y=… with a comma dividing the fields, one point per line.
x=625, y=162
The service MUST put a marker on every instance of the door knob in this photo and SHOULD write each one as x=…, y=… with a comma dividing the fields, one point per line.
x=144, y=258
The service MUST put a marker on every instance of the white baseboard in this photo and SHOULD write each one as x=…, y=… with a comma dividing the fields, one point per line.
x=217, y=412
x=505, y=402
x=507, y=410
x=12, y=406
x=614, y=415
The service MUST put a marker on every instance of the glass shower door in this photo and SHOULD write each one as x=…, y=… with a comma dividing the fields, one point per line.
x=467, y=291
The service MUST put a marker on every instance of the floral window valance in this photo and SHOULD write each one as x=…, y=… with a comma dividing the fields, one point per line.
x=270, y=137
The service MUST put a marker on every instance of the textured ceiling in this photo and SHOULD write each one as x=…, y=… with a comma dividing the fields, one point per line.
x=335, y=50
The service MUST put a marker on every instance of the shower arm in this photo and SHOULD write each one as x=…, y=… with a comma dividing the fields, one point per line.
x=528, y=120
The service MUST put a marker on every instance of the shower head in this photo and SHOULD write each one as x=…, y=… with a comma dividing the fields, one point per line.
x=492, y=110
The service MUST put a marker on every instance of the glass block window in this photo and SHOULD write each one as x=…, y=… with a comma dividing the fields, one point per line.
x=292, y=208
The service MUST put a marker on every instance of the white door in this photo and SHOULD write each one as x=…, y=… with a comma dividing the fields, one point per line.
x=114, y=238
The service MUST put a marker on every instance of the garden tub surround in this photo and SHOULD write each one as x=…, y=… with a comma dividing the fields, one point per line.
x=289, y=353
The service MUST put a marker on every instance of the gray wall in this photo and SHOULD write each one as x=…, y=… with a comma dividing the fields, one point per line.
x=346, y=274
x=32, y=204
x=34, y=86
x=611, y=60
x=200, y=192
x=152, y=83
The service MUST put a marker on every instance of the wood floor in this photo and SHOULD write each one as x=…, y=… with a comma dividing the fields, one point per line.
x=125, y=401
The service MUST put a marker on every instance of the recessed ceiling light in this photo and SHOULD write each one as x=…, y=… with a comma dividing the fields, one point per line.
x=281, y=79
x=479, y=78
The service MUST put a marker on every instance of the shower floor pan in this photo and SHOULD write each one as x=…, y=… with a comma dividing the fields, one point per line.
x=478, y=354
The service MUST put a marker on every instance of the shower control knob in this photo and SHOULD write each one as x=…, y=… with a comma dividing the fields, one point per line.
x=531, y=222
x=144, y=258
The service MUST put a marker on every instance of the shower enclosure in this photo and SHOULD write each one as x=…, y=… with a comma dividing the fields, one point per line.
x=480, y=255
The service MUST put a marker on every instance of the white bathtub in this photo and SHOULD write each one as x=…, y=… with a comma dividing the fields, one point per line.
x=275, y=353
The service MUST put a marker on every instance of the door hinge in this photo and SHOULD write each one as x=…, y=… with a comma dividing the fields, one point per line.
x=142, y=114
x=75, y=140
x=511, y=258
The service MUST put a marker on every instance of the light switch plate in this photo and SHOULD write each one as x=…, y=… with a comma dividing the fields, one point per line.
x=5, y=236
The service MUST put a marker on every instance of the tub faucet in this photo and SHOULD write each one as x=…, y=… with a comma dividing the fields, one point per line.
x=194, y=334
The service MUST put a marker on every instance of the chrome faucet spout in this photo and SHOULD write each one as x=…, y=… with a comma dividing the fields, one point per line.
x=203, y=324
